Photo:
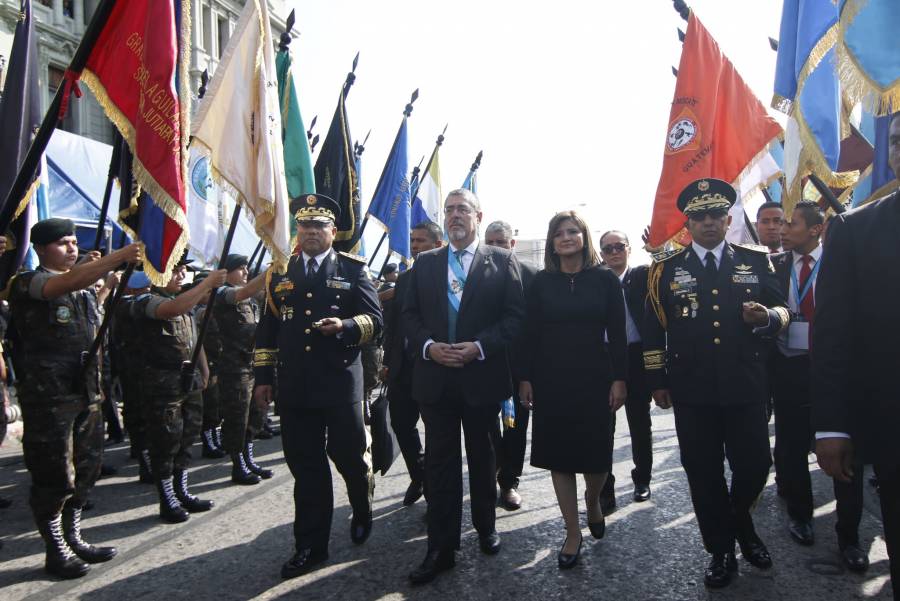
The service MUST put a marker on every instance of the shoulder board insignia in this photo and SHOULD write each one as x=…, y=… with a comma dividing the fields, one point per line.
x=352, y=257
x=754, y=248
x=665, y=255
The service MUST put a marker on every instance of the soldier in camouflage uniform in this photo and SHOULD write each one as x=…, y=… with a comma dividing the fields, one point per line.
x=57, y=319
x=237, y=314
x=172, y=417
x=128, y=349
x=210, y=437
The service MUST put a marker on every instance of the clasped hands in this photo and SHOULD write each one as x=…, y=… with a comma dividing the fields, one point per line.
x=456, y=355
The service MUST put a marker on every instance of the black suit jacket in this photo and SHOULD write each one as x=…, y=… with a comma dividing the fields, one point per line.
x=856, y=339
x=396, y=357
x=635, y=285
x=491, y=312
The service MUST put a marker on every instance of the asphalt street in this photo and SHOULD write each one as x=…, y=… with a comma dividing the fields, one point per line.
x=652, y=550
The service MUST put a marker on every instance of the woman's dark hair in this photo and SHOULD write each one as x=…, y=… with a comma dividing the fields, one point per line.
x=588, y=253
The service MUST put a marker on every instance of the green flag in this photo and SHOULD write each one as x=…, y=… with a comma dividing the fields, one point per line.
x=297, y=161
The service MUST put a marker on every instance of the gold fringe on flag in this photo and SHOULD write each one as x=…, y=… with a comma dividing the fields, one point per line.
x=855, y=82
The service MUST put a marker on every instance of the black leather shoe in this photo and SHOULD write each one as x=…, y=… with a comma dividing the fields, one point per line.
x=566, y=561
x=802, y=532
x=360, y=529
x=302, y=562
x=598, y=529
x=641, y=493
x=854, y=558
x=755, y=552
x=718, y=572
x=413, y=492
x=435, y=562
x=489, y=543
x=607, y=504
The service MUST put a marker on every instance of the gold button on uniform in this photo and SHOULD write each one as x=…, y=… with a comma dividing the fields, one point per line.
x=715, y=307
x=309, y=348
x=307, y=331
x=748, y=291
x=715, y=340
x=309, y=295
x=716, y=324
x=308, y=312
x=715, y=292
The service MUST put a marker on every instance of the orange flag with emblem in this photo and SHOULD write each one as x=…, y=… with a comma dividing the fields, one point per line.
x=717, y=128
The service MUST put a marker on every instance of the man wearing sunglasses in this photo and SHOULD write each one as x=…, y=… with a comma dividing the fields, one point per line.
x=615, y=251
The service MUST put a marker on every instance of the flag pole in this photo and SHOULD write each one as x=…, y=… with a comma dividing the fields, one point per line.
x=262, y=255
x=252, y=258
x=107, y=193
x=827, y=194
x=476, y=163
x=54, y=114
x=407, y=111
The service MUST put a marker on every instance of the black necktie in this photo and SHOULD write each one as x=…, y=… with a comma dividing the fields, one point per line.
x=711, y=270
x=311, y=267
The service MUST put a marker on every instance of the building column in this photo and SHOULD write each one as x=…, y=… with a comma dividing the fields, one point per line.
x=58, y=17
x=79, y=16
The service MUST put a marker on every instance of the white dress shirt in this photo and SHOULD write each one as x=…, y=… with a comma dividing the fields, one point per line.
x=793, y=301
x=717, y=252
x=319, y=260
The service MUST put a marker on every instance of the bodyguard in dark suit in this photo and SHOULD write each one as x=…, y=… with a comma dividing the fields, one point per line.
x=399, y=358
x=463, y=308
x=797, y=271
x=316, y=317
x=711, y=305
x=510, y=443
x=615, y=250
x=856, y=401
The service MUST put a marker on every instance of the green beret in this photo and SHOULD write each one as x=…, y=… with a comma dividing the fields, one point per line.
x=51, y=230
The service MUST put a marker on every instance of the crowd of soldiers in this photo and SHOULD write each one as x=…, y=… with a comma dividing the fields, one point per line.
x=720, y=332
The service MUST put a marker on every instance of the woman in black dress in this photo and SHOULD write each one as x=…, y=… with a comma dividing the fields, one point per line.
x=572, y=377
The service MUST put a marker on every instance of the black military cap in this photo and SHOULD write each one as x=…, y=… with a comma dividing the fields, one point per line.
x=708, y=194
x=235, y=261
x=51, y=230
x=315, y=207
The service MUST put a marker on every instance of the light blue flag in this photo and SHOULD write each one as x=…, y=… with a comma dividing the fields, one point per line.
x=471, y=182
x=879, y=180
x=775, y=189
x=870, y=54
x=390, y=203
x=808, y=90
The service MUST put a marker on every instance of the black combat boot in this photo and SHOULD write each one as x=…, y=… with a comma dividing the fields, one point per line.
x=170, y=508
x=240, y=473
x=71, y=517
x=211, y=449
x=60, y=560
x=188, y=501
x=145, y=475
x=253, y=466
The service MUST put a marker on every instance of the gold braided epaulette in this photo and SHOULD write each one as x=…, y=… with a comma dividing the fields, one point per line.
x=757, y=248
x=660, y=256
x=352, y=257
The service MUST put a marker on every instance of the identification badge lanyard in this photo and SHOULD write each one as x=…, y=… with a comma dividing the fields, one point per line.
x=807, y=287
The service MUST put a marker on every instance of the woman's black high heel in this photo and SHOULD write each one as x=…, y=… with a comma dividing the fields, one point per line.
x=567, y=562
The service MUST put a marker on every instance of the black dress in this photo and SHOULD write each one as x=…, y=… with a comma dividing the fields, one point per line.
x=571, y=366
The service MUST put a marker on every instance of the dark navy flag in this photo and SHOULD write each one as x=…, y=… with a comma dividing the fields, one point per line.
x=336, y=177
x=20, y=117
x=390, y=206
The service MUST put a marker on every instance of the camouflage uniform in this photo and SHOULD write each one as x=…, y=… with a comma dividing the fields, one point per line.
x=241, y=419
x=172, y=418
x=63, y=424
x=127, y=351
x=212, y=345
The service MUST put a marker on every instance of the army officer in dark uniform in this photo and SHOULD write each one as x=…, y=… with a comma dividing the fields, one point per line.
x=316, y=317
x=711, y=307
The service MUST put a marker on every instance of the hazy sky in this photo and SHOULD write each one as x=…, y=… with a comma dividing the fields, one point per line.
x=568, y=99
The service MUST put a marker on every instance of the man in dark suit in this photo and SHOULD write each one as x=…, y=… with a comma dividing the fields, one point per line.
x=316, y=317
x=399, y=358
x=615, y=251
x=462, y=310
x=510, y=442
x=711, y=306
x=856, y=403
x=797, y=271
